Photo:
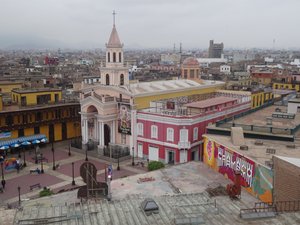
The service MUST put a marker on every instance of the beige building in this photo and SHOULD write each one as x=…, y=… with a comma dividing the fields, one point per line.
x=190, y=69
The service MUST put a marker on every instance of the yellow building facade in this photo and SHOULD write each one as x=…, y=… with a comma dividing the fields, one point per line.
x=7, y=87
x=27, y=97
x=287, y=86
x=58, y=122
x=142, y=102
x=259, y=98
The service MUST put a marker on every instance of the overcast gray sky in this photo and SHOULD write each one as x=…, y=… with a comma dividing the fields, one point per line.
x=150, y=23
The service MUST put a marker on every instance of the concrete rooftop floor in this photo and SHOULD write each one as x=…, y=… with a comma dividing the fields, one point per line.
x=258, y=152
x=127, y=194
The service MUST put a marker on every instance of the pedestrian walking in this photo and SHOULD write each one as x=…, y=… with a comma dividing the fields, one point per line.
x=18, y=165
x=3, y=182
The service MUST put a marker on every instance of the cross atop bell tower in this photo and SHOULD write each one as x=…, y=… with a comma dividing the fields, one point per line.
x=114, y=17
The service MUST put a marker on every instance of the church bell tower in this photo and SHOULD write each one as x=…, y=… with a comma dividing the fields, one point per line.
x=114, y=72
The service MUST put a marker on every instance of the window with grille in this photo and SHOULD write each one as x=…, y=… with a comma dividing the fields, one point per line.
x=140, y=129
x=154, y=131
x=170, y=134
x=195, y=134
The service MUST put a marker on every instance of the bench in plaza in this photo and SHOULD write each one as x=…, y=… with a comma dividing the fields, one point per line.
x=38, y=185
x=35, y=171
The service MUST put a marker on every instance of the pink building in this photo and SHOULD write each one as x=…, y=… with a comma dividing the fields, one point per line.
x=172, y=132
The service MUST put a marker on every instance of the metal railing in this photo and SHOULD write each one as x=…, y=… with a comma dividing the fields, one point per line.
x=116, y=151
x=258, y=210
x=281, y=206
x=220, y=122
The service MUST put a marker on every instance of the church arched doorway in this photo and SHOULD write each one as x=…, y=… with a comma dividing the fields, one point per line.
x=106, y=135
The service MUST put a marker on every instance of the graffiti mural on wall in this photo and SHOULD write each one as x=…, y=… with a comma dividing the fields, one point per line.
x=229, y=161
x=257, y=179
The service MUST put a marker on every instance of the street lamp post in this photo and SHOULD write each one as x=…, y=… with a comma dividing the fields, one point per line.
x=105, y=173
x=36, y=159
x=86, y=156
x=3, y=180
x=73, y=181
x=118, y=167
x=24, y=164
x=42, y=168
x=132, y=156
x=52, y=149
x=69, y=149
x=19, y=192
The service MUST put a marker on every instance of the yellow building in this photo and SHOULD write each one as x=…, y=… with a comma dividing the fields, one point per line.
x=262, y=77
x=258, y=98
x=57, y=122
x=6, y=87
x=145, y=93
x=27, y=97
x=40, y=111
x=287, y=86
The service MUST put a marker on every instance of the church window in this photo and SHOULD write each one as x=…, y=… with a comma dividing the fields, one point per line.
x=122, y=79
x=114, y=57
x=107, y=79
x=120, y=57
x=108, y=57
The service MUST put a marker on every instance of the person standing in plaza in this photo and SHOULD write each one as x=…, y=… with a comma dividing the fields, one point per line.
x=18, y=165
x=3, y=182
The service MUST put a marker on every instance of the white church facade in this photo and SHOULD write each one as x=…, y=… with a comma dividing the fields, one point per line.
x=109, y=109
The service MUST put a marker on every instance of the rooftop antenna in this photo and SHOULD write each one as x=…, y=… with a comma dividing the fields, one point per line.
x=114, y=17
x=180, y=48
x=174, y=49
x=274, y=44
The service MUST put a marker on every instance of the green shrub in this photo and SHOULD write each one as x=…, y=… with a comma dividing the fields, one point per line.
x=46, y=192
x=155, y=165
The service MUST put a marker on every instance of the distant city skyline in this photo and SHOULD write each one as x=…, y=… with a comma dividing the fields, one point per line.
x=86, y=24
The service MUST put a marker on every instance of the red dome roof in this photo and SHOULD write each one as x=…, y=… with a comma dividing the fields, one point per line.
x=190, y=61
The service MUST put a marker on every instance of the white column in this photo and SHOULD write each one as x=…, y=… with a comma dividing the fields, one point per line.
x=85, y=137
x=95, y=129
x=113, y=131
x=83, y=130
x=100, y=133
x=133, y=132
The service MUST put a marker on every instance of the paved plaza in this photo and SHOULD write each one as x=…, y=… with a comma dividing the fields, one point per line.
x=57, y=180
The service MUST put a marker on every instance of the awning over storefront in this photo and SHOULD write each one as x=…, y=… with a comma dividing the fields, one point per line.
x=22, y=139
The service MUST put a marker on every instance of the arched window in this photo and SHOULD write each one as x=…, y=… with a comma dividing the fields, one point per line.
x=122, y=79
x=114, y=57
x=108, y=57
x=107, y=79
x=120, y=57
